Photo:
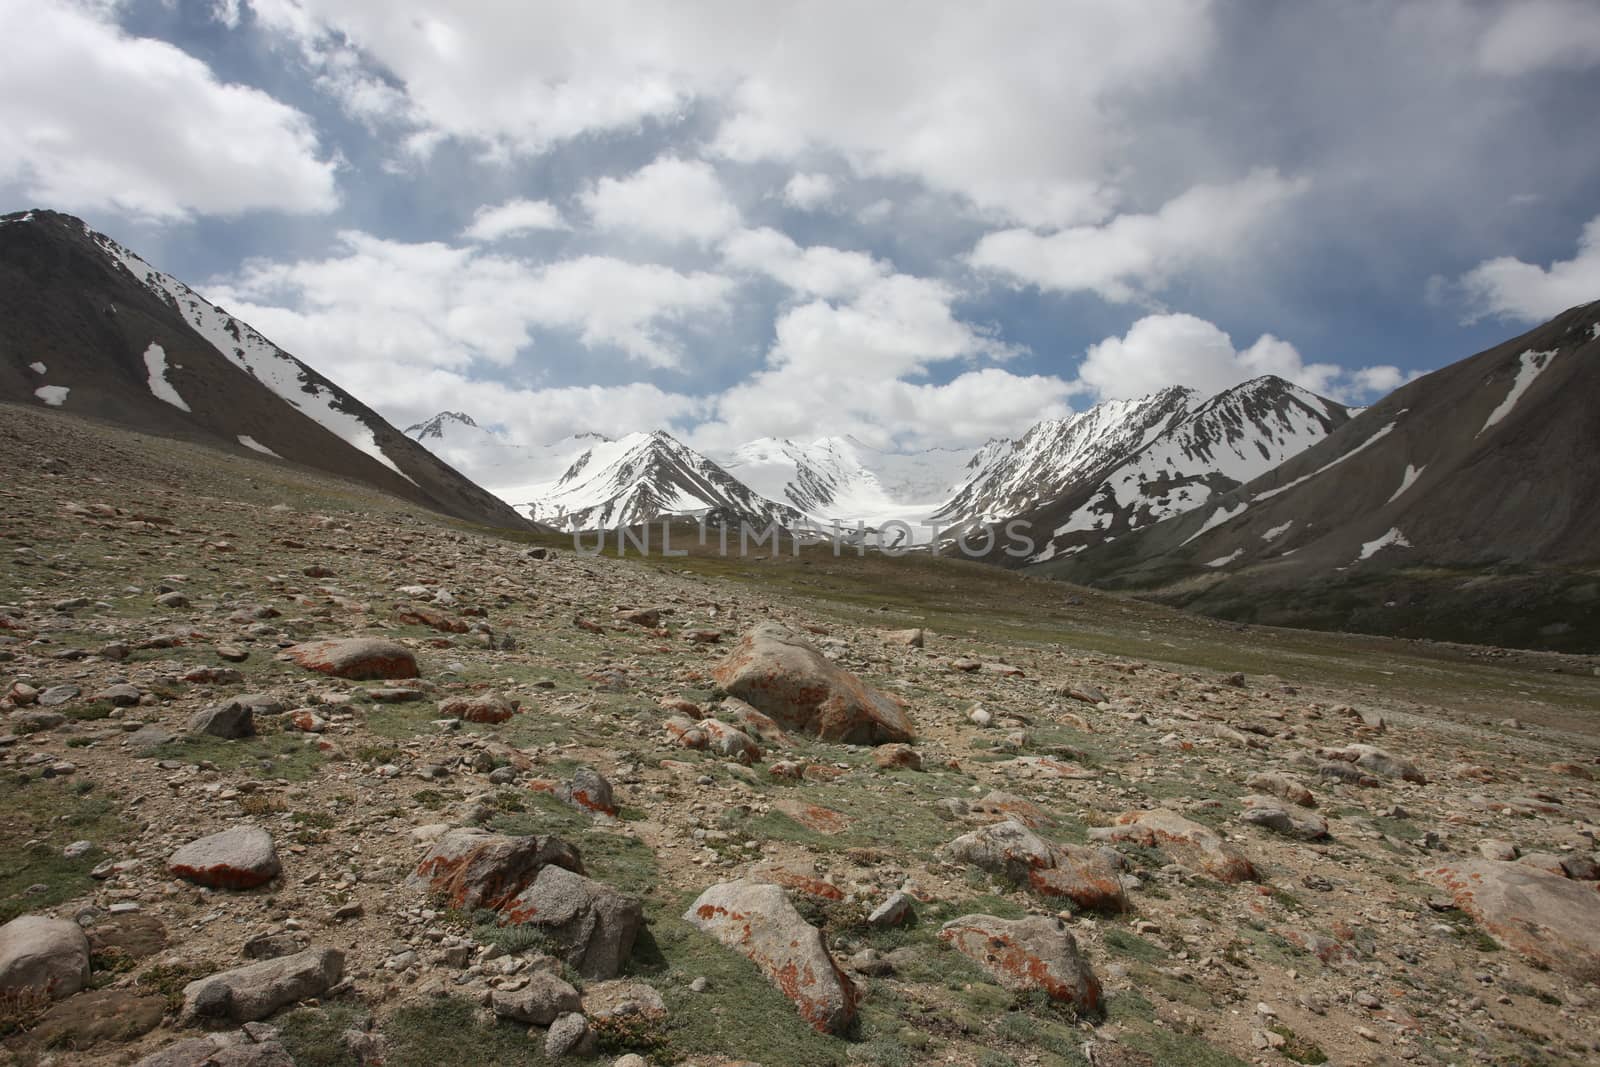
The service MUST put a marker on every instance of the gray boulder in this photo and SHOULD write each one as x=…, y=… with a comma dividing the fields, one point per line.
x=256, y=990
x=756, y=920
x=793, y=682
x=46, y=955
x=1035, y=953
x=229, y=721
x=589, y=924
x=241, y=858
x=539, y=1003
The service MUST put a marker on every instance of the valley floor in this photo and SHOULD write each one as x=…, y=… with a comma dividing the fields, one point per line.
x=1343, y=951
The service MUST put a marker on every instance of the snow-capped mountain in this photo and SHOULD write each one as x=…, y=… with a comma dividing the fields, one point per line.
x=1464, y=504
x=511, y=471
x=1008, y=478
x=644, y=476
x=1239, y=434
x=841, y=478
x=92, y=328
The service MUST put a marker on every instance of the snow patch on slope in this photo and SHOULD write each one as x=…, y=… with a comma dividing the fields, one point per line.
x=1362, y=447
x=38, y=368
x=1277, y=531
x=155, y=365
x=1407, y=480
x=1393, y=537
x=1529, y=366
x=1222, y=515
x=254, y=354
x=54, y=395
x=1223, y=561
x=251, y=443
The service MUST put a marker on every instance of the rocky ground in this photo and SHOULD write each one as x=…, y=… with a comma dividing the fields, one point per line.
x=699, y=811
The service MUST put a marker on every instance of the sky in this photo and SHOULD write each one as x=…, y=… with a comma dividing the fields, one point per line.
x=921, y=224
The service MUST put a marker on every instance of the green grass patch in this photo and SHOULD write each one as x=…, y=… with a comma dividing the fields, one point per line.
x=38, y=818
x=282, y=755
x=314, y=1038
x=449, y=1032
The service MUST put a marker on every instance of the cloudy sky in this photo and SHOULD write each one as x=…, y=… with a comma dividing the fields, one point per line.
x=917, y=223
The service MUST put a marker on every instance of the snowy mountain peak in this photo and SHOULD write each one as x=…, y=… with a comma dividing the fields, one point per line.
x=436, y=426
x=642, y=477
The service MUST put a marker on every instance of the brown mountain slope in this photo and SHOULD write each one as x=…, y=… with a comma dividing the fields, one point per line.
x=88, y=326
x=1462, y=506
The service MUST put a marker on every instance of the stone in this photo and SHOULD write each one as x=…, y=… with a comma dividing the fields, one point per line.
x=757, y=921
x=1580, y=868
x=469, y=868
x=1546, y=917
x=623, y=1000
x=58, y=695
x=756, y=724
x=897, y=756
x=257, y=990
x=49, y=956
x=793, y=682
x=897, y=910
x=241, y=858
x=1193, y=846
x=488, y=708
x=723, y=739
x=540, y=1002
x=1378, y=761
x=229, y=721
x=1497, y=849
x=1025, y=955
x=121, y=695
x=569, y=1036
x=356, y=658
x=1284, y=788
x=1270, y=813
x=589, y=924
x=1011, y=850
x=589, y=791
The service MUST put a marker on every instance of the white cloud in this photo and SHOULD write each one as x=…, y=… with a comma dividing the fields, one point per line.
x=851, y=367
x=1163, y=350
x=1134, y=255
x=671, y=200
x=817, y=270
x=1011, y=106
x=809, y=191
x=1532, y=35
x=514, y=217
x=91, y=118
x=1508, y=288
x=381, y=306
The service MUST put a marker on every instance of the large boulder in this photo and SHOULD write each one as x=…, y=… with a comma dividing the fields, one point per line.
x=489, y=707
x=45, y=955
x=254, y=991
x=471, y=868
x=539, y=1002
x=790, y=680
x=1547, y=917
x=1013, y=851
x=587, y=923
x=1270, y=813
x=1193, y=846
x=356, y=658
x=241, y=858
x=757, y=920
x=1035, y=953
x=1377, y=761
x=229, y=721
